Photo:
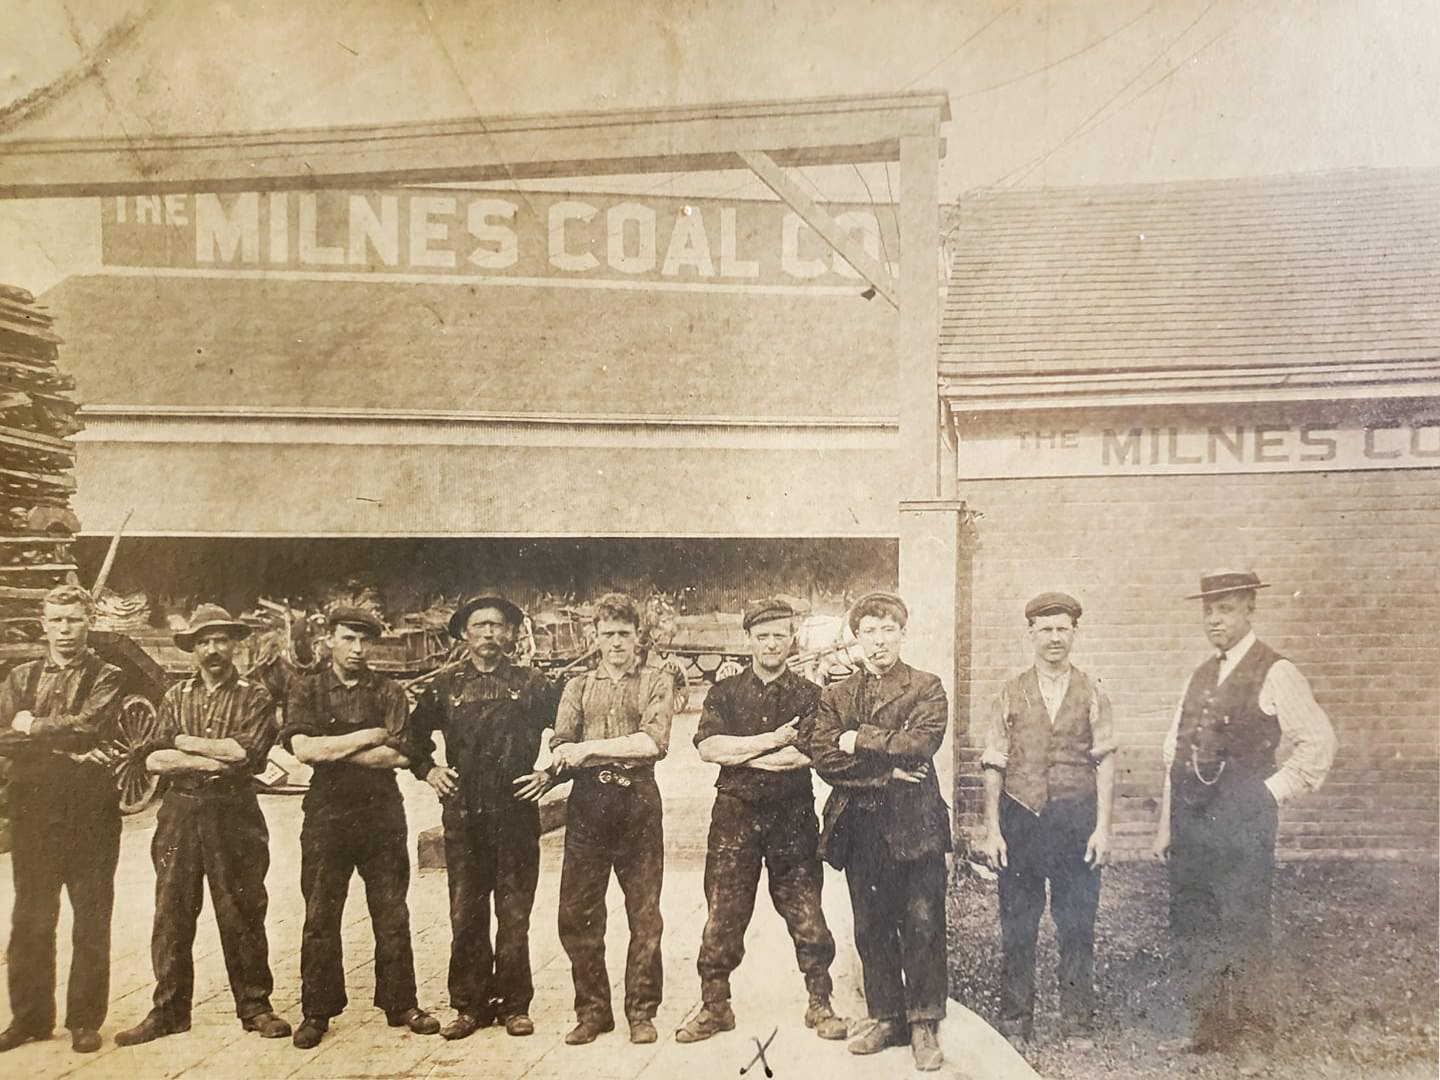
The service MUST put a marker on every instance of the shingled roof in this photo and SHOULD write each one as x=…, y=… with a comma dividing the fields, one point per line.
x=1321, y=270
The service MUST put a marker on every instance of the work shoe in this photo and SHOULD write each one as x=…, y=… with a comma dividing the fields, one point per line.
x=268, y=1025
x=586, y=1031
x=84, y=1040
x=642, y=1030
x=710, y=1020
x=15, y=1035
x=822, y=1018
x=311, y=1030
x=519, y=1025
x=152, y=1027
x=876, y=1035
x=416, y=1019
x=465, y=1024
x=925, y=1046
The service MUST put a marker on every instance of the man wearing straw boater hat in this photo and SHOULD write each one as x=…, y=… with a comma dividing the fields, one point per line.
x=351, y=725
x=214, y=732
x=64, y=822
x=494, y=715
x=1222, y=794
x=887, y=826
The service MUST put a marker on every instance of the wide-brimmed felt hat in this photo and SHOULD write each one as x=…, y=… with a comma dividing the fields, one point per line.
x=853, y=618
x=513, y=615
x=772, y=607
x=209, y=617
x=1220, y=582
x=357, y=617
x=1053, y=603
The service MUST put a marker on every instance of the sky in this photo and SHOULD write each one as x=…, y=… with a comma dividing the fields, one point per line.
x=1043, y=92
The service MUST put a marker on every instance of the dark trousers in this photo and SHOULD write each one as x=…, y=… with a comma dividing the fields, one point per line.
x=335, y=843
x=487, y=856
x=899, y=907
x=77, y=853
x=612, y=827
x=785, y=838
x=1222, y=865
x=1048, y=846
x=222, y=839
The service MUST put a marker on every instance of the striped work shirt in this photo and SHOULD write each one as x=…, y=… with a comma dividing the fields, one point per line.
x=238, y=709
x=598, y=705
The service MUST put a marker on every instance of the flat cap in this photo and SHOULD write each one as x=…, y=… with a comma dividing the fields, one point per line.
x=357, y=617
x=772, y=607
x=879, y=596
x=1053, y=603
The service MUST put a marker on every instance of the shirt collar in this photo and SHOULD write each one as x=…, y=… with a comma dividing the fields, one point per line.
x=1048, y=677
x=602, y=672
x=366, y=677
x=472, y=672
x=1236, y=652
x=74, y=662
x=198, y=681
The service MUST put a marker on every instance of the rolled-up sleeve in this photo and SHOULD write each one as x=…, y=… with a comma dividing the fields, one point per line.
x=995, y=748
x=659, y=709
x=568, y=713
x=302, y=714
x=1102, y=724
x=255, y=728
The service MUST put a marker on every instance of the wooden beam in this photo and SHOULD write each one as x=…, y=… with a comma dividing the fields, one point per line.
x=814, y=215
x=621, y=142
x=918, y=341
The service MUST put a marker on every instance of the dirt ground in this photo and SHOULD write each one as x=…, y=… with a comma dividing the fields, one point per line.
x=1355, y=965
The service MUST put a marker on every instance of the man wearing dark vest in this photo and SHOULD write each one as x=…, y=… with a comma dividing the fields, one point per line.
x=493, y=715
x=64, y=823
x=215, y=730
x=764, y=813
x=1049, y=788
x=352, y=727
x=887, y=826
x=1218, y=814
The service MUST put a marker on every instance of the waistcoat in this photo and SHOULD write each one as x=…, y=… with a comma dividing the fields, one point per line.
x=1049, y=760
x=1224, y=735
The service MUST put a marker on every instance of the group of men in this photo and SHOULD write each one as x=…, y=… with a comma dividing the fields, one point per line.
x=1049, y=746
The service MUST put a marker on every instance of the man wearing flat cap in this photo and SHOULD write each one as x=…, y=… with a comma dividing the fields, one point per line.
x=351, y=726
x=764, y=812
x=1223, y=790
x=1049, y=762
x=214, y=732
x=887, y=826
x=494, y=715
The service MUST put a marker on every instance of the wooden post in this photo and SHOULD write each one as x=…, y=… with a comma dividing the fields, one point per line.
x=918, y=338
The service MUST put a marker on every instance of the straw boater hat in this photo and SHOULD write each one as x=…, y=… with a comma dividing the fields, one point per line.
x=1221, y=582
x=513, y=615
x=209, y=617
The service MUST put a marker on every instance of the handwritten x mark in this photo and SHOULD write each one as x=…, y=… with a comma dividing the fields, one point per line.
x=760, y=1049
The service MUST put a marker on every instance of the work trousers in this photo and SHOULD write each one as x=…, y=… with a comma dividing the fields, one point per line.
x=221, y=838
x=1222, y=866
x=899, y=907
x=1040, y=847
x=613, y=827
x=491, y=858
x=784, y=837
x=77, y=853
x=337, y=842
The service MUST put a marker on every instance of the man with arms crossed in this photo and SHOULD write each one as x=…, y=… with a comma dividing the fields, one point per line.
x=764, y=812
x=1049, y=763
x=64, y=824
x=888, y=828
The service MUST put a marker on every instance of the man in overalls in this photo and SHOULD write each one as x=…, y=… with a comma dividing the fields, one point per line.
x=1049, y=761
x=1221, y=801
x=351, y=726
x=215, y=730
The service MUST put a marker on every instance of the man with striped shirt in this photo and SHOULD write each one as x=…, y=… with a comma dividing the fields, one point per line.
x=1223, y=790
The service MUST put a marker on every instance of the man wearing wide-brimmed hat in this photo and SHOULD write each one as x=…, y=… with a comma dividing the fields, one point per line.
x=493, y=714
x=351, y=726
x=1223, y=790
x=214, y=732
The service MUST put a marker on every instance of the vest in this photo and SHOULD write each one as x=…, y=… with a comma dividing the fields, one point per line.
x=1224, y=738
x=1049, y=760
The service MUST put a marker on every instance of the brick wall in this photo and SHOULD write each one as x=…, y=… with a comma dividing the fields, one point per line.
x=1354, y=559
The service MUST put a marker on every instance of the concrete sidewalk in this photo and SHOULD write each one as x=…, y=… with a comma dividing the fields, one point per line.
x=769, y=993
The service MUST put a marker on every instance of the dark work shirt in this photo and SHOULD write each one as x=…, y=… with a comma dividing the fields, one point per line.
x=239, y=709
x=744, y=705
x=492, y=723
x=322, y=706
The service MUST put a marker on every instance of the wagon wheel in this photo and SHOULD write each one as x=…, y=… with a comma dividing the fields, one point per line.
x=730, y=666
x=676, y=668
x=137, y=727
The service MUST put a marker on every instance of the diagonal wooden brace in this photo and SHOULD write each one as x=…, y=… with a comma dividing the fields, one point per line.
x=870, y=268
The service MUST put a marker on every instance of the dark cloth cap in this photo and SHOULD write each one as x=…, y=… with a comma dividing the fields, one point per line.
x=886, y=597
x=765, y=610
x=1220, y=582
x=356, y=617
x=209, y=617
x=513, y=615
x=1053, y=603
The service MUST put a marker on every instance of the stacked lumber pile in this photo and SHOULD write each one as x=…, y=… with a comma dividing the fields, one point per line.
x=37, y=418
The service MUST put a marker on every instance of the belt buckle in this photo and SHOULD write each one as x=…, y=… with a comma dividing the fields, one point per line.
x=609, y=776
